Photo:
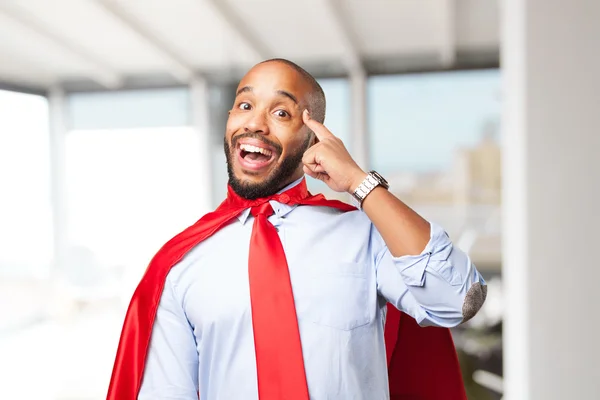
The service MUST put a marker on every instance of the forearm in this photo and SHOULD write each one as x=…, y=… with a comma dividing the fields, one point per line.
x=403, y=230
x=445, y=287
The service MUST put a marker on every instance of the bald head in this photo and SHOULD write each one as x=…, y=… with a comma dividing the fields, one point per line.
x=316, y=98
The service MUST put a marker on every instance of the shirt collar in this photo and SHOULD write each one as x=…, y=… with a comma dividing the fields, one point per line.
x=280, y=209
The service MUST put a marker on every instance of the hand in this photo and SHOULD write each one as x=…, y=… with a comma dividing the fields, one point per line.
x=329, y=161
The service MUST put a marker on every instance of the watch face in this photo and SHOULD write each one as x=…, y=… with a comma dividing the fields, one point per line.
x=380, y=178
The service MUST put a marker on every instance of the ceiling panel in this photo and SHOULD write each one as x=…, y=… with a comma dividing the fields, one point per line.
x=23, y=48
x=297, y=30
x=20, y=73
x=94, y=29
x=195, y=30
x=394, y=27
x=478, y=23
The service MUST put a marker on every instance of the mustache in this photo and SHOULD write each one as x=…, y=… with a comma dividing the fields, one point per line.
x=257, y=136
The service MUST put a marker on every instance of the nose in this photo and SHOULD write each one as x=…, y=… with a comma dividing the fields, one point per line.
x=257, y=123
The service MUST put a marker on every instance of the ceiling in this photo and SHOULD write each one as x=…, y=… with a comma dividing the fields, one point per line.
x=111, y=44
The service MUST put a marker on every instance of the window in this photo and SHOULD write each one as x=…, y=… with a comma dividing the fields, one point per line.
x=435, y=137
x=129, y=191
x=418, y=122
x=132, y=183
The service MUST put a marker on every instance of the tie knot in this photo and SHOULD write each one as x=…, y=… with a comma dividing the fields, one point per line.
x=262, y=209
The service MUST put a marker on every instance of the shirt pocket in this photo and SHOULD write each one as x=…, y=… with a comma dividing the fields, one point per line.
x=342, y=296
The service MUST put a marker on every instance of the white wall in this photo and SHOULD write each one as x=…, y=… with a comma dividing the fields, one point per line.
x=551, y=57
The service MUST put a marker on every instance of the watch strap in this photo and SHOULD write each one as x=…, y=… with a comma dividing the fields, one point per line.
x=372, y=180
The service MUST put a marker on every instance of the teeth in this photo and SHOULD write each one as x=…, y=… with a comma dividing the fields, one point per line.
x=253, y=149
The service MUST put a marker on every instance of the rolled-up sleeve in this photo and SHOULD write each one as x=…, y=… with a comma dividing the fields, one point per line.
x=439, y=287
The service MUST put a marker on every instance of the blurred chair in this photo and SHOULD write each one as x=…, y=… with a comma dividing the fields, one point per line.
x=489, y=381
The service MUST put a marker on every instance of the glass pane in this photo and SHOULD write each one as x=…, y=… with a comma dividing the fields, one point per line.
x=418, y=122
x=129, y=191
x=435, y=137
x=130, y=109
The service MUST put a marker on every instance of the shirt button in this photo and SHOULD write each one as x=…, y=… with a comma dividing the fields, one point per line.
x=284, y=198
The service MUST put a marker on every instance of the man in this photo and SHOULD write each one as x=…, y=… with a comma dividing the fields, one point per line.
x=282, y=295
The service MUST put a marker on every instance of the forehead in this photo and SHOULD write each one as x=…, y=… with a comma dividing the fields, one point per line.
x=268, y=78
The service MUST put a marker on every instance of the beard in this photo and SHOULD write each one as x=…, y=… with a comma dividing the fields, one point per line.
x=277, y=178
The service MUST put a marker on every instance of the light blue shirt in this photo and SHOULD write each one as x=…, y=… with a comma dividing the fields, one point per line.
x=342, y=276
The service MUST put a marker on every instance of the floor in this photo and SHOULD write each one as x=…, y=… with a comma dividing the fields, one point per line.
x=62, y=358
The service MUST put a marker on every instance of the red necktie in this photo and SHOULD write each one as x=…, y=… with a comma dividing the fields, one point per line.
x=410, y=371
x=279, y=362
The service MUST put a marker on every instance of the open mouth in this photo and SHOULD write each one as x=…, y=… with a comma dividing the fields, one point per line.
x=255, y=156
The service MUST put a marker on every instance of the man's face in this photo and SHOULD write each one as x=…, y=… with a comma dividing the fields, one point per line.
x=265, y=137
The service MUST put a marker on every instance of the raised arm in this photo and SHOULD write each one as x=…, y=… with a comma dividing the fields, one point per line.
x=418, y=269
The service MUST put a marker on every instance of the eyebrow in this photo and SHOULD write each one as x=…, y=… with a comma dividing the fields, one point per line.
x=244, y=90
x=287, y=94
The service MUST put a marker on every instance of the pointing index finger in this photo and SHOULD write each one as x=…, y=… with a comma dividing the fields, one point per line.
x=321, y=132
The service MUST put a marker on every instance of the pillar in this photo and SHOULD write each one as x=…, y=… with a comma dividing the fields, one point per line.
x=58, y=190
x=201, y=122
x=358, y=113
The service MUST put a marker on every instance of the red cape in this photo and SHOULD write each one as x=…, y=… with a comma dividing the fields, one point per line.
x=422, y=362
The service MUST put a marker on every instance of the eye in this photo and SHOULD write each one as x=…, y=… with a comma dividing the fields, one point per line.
x=244, y=106
x=282, y=113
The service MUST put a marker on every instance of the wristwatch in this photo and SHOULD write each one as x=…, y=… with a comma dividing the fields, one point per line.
x=372, y=180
